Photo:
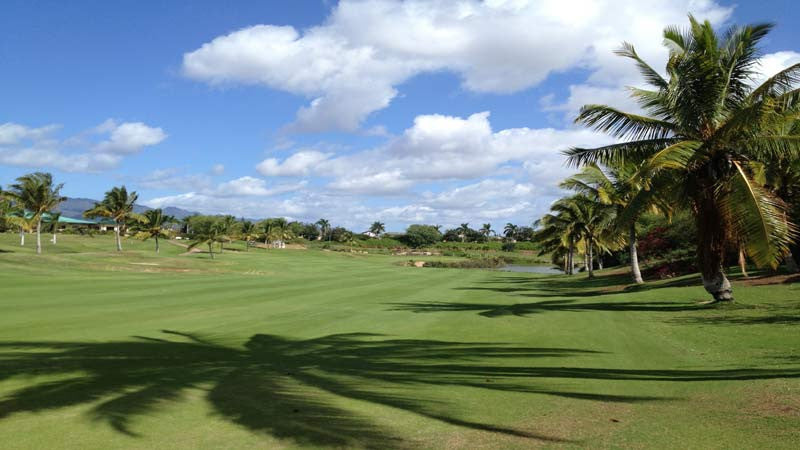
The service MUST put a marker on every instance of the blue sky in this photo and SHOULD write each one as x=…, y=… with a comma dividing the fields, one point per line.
x=404, y=112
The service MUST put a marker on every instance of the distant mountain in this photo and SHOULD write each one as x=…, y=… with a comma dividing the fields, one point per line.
x=74, y=207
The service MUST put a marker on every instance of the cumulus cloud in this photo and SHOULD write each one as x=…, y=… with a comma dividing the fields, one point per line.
x=438, y=147
x=173, y=179
x=25, y=146
x=246, y=196
x=128, y=137
x=353, y=64
x=217, y=169
x=300, y=163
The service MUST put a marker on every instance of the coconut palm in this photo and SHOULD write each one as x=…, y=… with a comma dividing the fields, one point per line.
x=377, y=228
x=510, y=230
x=156, y=225
x=36, y=195
x=24, y=224
x=117, y=205
x=589, y=221
x=228, y=228
x=208, y=231
x=463, y=231
x=324, y=228
x=622, y=186
x=705, y=126
x=52, y=220
x=557, y=233
x=249, y=233
x=486, y=229
x=279, y=230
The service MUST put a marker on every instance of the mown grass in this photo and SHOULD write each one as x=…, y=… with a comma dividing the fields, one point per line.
x=307, y=348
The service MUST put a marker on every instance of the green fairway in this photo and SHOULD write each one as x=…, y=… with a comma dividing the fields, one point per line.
x=310, y=348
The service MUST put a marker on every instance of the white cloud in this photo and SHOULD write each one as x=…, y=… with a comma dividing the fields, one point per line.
x=300, y=163
x=217, y=169
x=25, y=146
x=772, y=63
x=173, y=179
x=439, y=147
x=352, y=65
x=381, y=183
x=13, y=133
x=251, y=186
x=128, y=137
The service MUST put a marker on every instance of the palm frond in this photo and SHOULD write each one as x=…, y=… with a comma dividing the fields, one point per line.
x=778, y=84
x=650, y=75
x=757, y=217
x=623, y=125
x=676, y=156
x=617, y=154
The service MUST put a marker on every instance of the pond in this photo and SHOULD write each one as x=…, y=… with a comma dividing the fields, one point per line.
x=548, y=270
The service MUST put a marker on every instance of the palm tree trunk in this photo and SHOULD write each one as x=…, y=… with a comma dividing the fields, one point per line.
x=599, y=260
x=117, y=238
x=211, y=249
x=635, y=271
x=157, y=244
x=571, y=257
x=590, y=259
x=743, y=262
x=39, y=237
x=712, y=232
x=22, y=237
x=54, y=236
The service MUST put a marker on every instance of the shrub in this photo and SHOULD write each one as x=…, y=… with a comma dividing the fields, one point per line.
x=509, y=246
x=421, y=236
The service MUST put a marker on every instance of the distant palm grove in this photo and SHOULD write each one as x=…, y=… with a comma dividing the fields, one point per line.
x=707, y=176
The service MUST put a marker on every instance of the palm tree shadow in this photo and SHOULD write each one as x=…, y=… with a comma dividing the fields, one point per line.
x=291, y=389
x=273, y=385
x=526, y=309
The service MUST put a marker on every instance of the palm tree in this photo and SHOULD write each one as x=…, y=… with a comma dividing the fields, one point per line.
x=25, y=225
x=53, y=221
x=36, y=195
x=208, y=230
x=228, y=227
x=590, y=221
x=622, y=186
x=705, y=128
x=117, y=205
x=510, y=230
x=156, y=225
x=248, y=233
x=558, y=234
x=486, y=229
x=186, y=223
x=464, y=230
x=324, y=228
x=279, y=231
x=377, y=228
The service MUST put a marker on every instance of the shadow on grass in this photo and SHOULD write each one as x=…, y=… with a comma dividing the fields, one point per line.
x=563, y=286
x=525, y=309
x=288, y=388
x=275, y=385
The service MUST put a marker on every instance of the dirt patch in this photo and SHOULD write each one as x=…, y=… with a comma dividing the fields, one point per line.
x=779, y=399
